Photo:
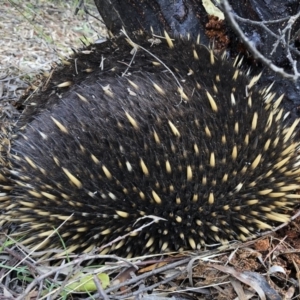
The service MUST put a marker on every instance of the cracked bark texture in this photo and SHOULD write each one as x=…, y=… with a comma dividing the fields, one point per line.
x=175, y=16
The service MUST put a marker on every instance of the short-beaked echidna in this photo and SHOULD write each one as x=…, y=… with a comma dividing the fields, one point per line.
x=167, y=130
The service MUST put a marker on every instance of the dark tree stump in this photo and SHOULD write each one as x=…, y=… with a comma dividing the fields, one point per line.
x=175, y=16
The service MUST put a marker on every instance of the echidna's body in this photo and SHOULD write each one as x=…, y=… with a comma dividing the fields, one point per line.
x=199, y=147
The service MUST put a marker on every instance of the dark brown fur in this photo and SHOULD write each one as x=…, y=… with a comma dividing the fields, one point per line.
x=103, y=134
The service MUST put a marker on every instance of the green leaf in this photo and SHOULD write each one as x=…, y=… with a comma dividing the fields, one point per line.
x=86, y=282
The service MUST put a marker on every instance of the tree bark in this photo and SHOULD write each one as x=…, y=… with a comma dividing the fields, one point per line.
x=177, y=17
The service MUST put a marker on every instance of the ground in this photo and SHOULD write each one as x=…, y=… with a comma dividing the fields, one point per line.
x=35, y=35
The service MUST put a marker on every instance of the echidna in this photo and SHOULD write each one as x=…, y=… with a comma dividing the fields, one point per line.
x=168, y=130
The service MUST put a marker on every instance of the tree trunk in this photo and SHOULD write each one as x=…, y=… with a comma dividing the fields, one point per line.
x=175, y=16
